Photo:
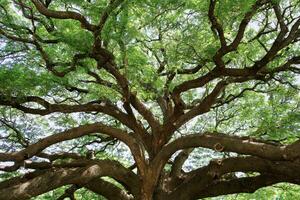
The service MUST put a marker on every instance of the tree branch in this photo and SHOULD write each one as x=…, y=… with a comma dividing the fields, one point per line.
x=224, y=143
x=73, y=133
x=197, y=181
x=63, y=15
x=82, y=175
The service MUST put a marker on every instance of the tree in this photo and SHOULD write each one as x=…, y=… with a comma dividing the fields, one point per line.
x=83, y=76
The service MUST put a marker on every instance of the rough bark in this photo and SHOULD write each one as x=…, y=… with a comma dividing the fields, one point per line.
x=151, y=142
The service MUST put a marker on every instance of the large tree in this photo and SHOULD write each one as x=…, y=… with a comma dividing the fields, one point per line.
x=162, y=79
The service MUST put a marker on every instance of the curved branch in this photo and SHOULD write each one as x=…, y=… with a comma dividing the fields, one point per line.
x=48, y=108
x=81, y=175
x=244, y=185
x=197, y=180
x=73, y=133
x=106, y=13
x=63, y=15
x=202, y=107
x=107, y=189
x=179, y=161
x=216, y=26
x=225, y=143
x=241, y=185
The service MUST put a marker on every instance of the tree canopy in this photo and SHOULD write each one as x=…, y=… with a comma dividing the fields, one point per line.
x=148, y=99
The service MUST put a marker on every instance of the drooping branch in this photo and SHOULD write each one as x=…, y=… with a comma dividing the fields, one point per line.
x=224, y=143
x=197, y=181
x=240, y=185
x=80, y=174
x=73, y=133
x=244, y=185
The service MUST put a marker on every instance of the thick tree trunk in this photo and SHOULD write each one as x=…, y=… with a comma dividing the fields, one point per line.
x=149, y=182
x=146, y=196
x=147, y=191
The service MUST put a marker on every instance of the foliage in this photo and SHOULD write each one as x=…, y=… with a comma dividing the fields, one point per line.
x=149, y=99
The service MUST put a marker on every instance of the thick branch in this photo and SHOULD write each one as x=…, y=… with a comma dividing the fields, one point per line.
x=197, y=181
x=244, y=185
x=225, y=143
x=108, y=190
x=55, y=178
x=241, y=185
x=63, y=15
x=73, y=133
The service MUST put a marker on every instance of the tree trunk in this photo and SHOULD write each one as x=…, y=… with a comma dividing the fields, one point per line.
x=148, y=185
x=146, y=196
